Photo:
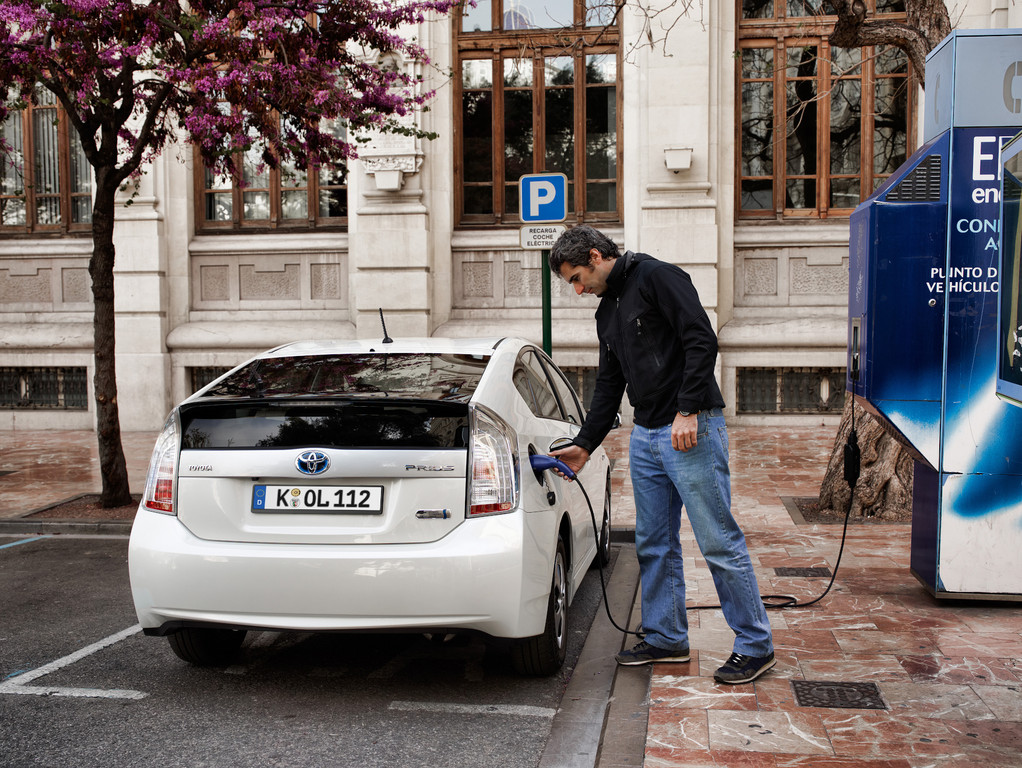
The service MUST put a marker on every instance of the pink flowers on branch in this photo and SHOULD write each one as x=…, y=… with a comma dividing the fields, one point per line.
x=132, y=75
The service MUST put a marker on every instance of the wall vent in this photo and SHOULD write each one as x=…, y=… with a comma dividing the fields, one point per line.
x=922, y=185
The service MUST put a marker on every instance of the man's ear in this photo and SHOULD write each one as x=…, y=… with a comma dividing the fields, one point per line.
x=594, y=254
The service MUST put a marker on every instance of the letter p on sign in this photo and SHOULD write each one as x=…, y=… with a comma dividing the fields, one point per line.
x=543, y=197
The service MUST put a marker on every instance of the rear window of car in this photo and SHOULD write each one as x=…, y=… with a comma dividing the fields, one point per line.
x=420, y=376
x=341, y=424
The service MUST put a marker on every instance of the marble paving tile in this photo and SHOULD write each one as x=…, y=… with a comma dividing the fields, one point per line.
x=808, y=639
x=672, y=730
x=820, y=761
x=1001, y=645
x=960, y=670
x=1007, y=618
x=884, y=735
x=774, y=693
x=784, y=732
x=876, y=641
x=852, y=668
x=909, y=621
x=1004, y=701
x=700, y=693
x=934, y=700
x=657, y=757
x=988, y=733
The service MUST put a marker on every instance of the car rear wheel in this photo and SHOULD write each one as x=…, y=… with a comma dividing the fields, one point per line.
x=206, y=647
x=544, y=654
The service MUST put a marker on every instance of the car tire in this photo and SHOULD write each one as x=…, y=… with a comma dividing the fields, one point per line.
x=206, y=647
x=544, y=654
x=602, y=558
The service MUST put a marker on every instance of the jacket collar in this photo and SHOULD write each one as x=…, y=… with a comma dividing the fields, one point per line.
x=619, y=273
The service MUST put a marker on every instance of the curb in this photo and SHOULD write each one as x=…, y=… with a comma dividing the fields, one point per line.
x=55, y=527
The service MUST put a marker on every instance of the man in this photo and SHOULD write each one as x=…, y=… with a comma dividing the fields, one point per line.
x=656, y=341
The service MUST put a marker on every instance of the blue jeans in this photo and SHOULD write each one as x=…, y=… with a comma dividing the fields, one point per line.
x=663, y=479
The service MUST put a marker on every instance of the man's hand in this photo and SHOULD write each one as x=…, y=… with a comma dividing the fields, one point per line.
x=683, y=432
x=575, y=456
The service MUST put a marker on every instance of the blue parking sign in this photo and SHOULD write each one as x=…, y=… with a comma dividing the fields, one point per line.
x=543, y=197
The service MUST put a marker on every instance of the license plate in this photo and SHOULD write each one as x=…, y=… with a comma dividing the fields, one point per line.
x=336, y=499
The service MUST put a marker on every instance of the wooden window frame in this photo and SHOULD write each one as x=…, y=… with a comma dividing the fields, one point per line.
x=535, y=45
x=31, y=194
x=275, y=189
x=781, y=34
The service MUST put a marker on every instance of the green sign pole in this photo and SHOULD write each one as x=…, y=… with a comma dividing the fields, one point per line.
x=545, y=269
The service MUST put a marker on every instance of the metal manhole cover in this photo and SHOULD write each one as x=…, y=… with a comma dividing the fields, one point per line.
x=822, y=572
x=815, y=693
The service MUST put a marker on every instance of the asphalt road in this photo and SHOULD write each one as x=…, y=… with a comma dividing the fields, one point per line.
x=81, y=686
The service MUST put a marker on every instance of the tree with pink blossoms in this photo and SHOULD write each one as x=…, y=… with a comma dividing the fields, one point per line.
x=133, y=76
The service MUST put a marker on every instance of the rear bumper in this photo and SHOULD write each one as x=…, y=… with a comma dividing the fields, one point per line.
x=489, y=575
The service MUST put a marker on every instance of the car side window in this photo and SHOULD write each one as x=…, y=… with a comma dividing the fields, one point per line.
x=543, y=401
x=521, y=381
x=569, y=400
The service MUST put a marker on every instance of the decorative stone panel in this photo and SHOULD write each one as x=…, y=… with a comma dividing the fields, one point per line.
x=791, y=276
x=761, y=277
x=819, y=280
x=489, y=279
x=43, y=284
x=269, y=281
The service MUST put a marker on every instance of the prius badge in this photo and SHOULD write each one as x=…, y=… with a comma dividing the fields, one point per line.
x=312, y=462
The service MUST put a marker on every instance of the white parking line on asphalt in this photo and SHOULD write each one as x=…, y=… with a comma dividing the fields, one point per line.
x=518, y=710
x=17, y=685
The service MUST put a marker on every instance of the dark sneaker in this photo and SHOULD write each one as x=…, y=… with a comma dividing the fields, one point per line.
x=644, y=653
x=743, y=669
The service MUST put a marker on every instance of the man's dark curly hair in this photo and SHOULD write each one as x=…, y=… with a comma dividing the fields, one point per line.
x=574, y=245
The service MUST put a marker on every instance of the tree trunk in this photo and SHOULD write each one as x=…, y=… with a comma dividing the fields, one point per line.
x=884, y=488
x=113, y=468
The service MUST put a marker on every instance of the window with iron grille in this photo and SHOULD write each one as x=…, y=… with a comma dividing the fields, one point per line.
x=791, y=390
x=202, y=376
x=537, y=91
x=819, y=127
x=44, y=388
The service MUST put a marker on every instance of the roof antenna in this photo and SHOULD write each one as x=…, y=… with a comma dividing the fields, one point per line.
x=386, y=338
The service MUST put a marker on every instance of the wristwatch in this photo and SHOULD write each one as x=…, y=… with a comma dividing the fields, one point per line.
x=689, y=413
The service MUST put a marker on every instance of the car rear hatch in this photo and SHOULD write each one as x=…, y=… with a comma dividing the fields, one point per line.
x=329, y=450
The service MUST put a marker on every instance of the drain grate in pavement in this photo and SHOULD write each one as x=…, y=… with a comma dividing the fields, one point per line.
x=822, y=572
x=6, y=472
x=814, y=693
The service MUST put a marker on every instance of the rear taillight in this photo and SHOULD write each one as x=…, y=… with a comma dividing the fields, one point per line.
x=159, y=482
x=493, y=486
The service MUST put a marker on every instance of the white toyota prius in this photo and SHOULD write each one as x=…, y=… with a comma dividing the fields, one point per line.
x=329, y=486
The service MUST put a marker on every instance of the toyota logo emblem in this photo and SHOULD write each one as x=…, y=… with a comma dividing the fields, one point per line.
x=312, y=462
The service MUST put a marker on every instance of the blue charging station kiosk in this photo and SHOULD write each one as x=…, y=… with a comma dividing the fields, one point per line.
x=924, y=282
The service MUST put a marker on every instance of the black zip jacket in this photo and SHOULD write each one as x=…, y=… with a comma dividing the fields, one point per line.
x=656, y=341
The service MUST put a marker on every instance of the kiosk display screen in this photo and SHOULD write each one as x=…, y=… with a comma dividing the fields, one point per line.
x=1009, y=347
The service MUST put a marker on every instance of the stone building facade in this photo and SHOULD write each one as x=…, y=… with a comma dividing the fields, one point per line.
x=727, y=138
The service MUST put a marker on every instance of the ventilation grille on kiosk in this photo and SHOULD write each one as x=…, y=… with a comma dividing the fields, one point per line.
x=922, y=185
